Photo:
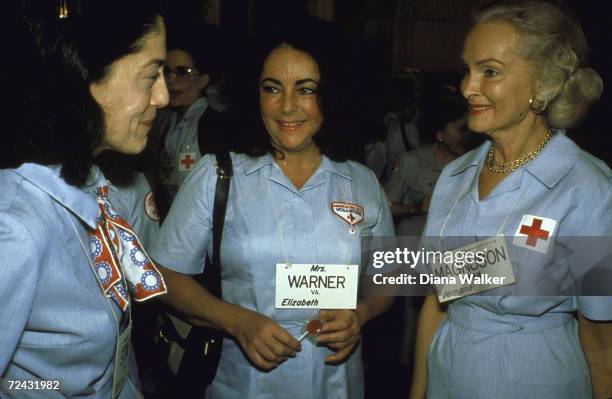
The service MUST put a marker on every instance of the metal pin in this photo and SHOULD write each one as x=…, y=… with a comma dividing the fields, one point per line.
x=301, y=338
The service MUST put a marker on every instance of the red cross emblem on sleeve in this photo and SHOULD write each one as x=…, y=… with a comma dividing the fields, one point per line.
x=534, y=233
x=186, y=161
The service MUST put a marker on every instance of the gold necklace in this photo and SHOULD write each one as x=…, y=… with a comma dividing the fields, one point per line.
x=506, y=167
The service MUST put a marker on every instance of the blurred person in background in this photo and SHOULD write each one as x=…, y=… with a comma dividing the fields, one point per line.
x=412, y=181
x=189, y=127
x=401, y=122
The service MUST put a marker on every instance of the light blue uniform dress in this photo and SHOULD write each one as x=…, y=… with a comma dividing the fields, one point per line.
x=266, y=219
x=136, y=204
x=519, y=346
x=394, y=143
x=56, y=323
x=412, y=181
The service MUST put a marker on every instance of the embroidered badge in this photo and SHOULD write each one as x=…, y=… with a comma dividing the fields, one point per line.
x=534, y=232
x=150, y=207
x=350, y=213
x=186, y=161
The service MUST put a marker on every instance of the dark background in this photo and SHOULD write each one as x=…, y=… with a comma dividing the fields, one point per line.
x=383, y=38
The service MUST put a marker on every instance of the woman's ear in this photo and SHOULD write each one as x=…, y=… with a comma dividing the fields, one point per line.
x=94, y=90
x=98, y=93
x=203, y=81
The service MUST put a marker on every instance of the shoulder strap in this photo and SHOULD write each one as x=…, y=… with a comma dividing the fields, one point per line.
x=224, y=176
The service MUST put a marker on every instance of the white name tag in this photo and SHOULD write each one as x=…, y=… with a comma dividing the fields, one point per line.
x=316, y=286
x=488, y=266
x=122, y=366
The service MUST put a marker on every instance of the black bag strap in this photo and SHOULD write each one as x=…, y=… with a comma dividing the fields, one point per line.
x=224, y=176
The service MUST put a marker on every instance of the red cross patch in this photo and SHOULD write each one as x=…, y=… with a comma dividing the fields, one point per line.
x=187, y=160
x=535, y=233
x=350, y=213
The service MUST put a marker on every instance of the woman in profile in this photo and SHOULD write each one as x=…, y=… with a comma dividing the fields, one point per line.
x=70, y=264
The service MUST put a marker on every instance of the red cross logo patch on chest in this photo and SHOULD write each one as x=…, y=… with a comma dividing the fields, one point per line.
x=535, y=233
x=187, y=160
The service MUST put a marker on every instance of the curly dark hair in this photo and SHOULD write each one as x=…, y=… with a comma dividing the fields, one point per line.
x=318, y=39
x=58, y=121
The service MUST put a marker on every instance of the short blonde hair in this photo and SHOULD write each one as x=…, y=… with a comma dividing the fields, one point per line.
x=553, y=40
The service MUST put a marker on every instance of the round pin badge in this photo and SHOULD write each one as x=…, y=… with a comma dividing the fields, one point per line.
x=150, y=207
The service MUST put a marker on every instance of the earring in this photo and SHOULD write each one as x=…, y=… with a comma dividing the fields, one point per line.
x=537, y=106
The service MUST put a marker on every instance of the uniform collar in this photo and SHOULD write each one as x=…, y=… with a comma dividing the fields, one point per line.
x=78, y=200
x=251, y=164
x=339, y=168
x=472, y=158
x=196, y=109
x=555, y=161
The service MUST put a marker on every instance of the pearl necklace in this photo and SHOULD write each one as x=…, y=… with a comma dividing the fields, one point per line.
x=506, y=167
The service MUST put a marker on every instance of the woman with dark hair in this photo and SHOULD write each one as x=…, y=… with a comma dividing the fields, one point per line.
x=537, y=199
x=290, y=205
x=322, y=42
x=71, y=265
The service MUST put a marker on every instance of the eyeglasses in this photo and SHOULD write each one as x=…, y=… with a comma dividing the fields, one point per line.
x=179, y=72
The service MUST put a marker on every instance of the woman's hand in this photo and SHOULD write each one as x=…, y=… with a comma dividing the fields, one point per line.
x=265, y=343
x=340, y=332
x=263, y=340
